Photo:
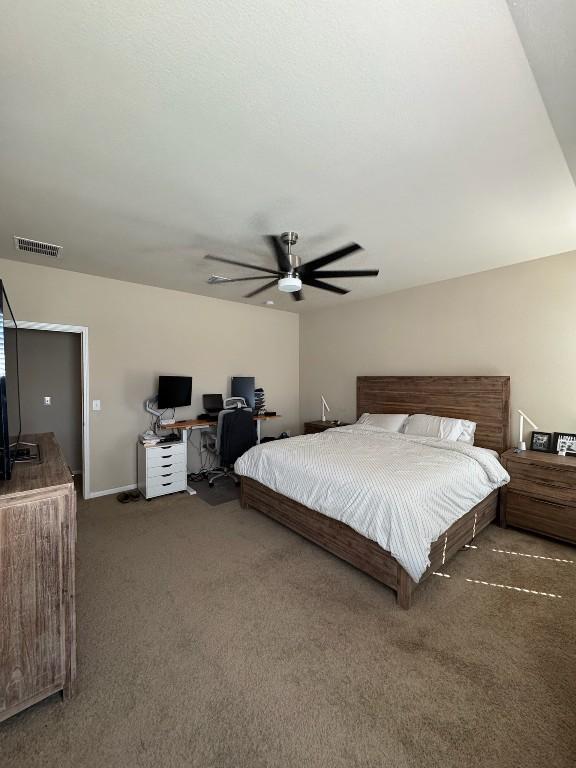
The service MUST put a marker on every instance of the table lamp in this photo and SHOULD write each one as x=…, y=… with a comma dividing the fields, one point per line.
x=325, y=407
x=521, y=444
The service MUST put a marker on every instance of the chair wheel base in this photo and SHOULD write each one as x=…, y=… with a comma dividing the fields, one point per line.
x=210, y=484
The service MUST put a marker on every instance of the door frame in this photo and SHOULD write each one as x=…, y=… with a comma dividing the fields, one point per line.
x=27, y=325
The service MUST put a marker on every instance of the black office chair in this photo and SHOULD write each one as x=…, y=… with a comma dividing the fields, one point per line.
x=234, y=435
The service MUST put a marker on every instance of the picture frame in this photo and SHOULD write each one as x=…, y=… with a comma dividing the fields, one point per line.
x=541, y=441
x=567, y=439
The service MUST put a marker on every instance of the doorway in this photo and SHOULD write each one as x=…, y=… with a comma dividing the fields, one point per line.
x=53, y=388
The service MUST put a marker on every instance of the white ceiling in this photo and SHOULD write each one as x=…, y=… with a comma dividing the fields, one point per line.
x=142, y=134
x=548, y=33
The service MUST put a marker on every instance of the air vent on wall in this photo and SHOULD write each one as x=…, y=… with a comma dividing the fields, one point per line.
x=34, y=246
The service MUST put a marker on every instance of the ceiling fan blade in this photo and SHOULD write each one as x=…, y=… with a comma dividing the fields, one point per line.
x=345, y=273
x=239, y=279
x=311, y=281
x=241, y=264
x=262, y=288
x=281, y=256
x=328, y=258
x=297, y=296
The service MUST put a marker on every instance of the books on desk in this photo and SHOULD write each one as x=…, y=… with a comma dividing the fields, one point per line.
x=149, y=438
x=259, y=400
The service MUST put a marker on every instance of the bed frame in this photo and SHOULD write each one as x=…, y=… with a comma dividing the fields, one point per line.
x=483, y=399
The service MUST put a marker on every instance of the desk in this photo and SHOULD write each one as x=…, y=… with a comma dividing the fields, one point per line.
x=201, y=424
x=184, y=426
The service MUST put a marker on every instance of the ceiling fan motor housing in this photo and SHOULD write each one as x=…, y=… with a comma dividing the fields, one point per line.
x=289, y=239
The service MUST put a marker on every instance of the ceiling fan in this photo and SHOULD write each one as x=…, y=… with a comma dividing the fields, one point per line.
x=291, y=274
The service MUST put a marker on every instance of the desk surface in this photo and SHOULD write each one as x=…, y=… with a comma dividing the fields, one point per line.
x=191, y=423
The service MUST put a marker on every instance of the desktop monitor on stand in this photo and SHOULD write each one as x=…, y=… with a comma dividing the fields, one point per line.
x=173, y=392
x=243, y=386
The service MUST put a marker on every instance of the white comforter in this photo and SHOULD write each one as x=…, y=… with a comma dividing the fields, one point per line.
x=401, y=491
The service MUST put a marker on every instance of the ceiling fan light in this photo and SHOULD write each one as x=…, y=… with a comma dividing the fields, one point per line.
x=289, y=284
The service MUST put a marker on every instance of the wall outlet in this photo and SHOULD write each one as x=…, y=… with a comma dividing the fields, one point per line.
x=96, y=405
x=47, y=400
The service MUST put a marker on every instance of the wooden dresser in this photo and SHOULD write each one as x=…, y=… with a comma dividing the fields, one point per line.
x=311, y=427
x=37, y=613
x=541, y=495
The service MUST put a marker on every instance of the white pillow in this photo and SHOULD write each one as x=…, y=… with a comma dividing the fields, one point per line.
x=440, y=427
x=387, y=422
x=468, y=430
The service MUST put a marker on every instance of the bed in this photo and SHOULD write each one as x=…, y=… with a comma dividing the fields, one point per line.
x=482, y=399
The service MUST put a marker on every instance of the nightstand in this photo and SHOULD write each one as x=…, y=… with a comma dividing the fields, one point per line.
x=541, y=495
x=310, y=427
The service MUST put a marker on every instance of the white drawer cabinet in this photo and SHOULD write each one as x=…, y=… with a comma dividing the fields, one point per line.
x=161, y=469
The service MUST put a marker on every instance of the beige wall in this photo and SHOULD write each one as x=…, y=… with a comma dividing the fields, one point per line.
x=517, y=321
x=137, y=332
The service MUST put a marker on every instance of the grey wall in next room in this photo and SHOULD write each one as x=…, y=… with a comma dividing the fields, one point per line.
x=50, y=365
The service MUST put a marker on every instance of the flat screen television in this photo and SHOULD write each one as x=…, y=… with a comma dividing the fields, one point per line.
x=8, y=445
x=174, y=391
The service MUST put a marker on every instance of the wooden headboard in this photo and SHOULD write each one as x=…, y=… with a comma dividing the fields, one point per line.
x=483, y=399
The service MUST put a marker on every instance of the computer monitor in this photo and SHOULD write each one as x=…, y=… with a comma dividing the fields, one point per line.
x=174, y=391
x=212, y=403
x=243, y=386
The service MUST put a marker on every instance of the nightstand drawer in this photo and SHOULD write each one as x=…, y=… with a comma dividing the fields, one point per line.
x=540, y=516
x=551, y=483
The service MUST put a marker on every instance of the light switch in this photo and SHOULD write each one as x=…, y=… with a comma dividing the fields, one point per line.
x=95, y=405
x=47, y=400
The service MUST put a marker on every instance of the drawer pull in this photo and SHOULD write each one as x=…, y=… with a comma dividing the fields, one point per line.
x=167, y=456
x=164, y=484
x=168, y=474
x=164, y=466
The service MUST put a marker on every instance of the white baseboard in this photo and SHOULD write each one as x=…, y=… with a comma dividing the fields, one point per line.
x=110, y=491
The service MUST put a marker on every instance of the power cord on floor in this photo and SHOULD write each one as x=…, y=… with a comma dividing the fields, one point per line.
x=208, y=461
x=197, y=477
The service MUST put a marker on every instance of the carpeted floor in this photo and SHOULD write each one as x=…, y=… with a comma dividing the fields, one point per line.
x=214, y=637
